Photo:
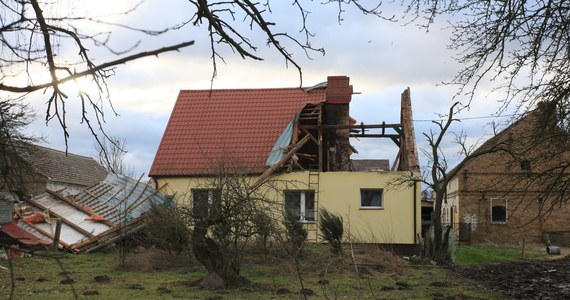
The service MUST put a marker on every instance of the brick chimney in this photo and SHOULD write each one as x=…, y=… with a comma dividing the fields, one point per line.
x=337, y=145
x=339, y=91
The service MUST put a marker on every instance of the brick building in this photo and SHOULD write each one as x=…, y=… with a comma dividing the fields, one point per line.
x=518, y=191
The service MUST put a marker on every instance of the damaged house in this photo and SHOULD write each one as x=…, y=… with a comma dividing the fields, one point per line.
x=299, y=135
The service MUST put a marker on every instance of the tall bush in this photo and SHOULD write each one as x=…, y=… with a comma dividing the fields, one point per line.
x=332, y=230
x=295, y=233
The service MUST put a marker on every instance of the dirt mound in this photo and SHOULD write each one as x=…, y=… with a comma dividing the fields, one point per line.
x=544, y=279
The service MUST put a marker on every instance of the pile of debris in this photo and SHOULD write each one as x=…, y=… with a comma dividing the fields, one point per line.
x=94, y=218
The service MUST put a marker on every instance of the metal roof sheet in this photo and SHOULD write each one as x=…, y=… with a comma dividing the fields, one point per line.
x=281, y=144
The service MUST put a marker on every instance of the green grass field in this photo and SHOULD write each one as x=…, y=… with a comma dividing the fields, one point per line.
x=153, y=274
x=487, y=253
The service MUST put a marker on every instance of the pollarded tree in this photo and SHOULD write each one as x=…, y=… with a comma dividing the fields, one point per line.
x=229, y=211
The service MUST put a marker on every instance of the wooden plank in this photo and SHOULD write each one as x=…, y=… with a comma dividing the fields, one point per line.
x=109, y=211
x=373, y=135
x=280, y=162
x=49, y=235
x=110, y=197
x=305, y=131
x=354, y=126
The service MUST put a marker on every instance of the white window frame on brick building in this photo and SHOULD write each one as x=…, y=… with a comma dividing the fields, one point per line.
x=499, y=211
x=301, y=204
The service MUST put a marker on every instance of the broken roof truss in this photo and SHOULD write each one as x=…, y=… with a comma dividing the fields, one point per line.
x=312, y=140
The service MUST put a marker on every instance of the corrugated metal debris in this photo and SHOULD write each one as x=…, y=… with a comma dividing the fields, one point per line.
x=94, y=218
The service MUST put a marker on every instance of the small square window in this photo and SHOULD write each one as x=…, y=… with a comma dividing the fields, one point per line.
x=371, y=198
x=499, y=213
x=526, y=165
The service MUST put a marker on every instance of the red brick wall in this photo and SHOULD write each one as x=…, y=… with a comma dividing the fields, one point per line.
x=532, y=210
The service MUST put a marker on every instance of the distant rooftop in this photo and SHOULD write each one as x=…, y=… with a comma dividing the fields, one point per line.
x=368, y=165
x=59, y=166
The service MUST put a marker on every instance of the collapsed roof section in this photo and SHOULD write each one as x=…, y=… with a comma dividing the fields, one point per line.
x=268, y=130
x=94, y=218
x=317, y=139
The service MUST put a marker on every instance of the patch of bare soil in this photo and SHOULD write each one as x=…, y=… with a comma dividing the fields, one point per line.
x=544, y=279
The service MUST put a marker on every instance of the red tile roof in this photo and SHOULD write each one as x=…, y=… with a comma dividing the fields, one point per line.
x=242, y=124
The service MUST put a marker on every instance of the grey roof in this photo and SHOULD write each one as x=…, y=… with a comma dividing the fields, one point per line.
x=59, y=166
x=363, y=165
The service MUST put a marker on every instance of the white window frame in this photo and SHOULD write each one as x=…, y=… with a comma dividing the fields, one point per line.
x=302, y=204
x=506, y=201
x=372, y=190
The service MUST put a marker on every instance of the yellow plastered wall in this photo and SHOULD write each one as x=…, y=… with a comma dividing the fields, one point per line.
x=339, y=192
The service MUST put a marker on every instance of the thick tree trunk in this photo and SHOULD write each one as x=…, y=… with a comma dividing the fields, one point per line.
x=440, y=246
x=220, y=272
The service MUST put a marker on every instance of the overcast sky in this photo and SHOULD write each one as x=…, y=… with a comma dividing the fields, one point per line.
x=381, y=58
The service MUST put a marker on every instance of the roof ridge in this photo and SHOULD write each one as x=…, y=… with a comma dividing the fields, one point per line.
x=246, y=89
x=67, y=153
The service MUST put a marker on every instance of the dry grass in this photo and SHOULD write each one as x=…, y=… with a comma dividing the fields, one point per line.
x=155, y=274
x=152, y=259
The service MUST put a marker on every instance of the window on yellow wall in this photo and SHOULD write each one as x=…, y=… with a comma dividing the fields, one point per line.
x=203, y=200
x=301, y=204
x=371, y=198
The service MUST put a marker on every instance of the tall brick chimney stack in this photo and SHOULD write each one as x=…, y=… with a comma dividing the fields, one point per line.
x=339, y=94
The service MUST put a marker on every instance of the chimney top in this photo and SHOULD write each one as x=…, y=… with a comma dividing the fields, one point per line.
x=339, y=91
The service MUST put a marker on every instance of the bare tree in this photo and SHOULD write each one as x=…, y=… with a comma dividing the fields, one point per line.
x=14, y=118
x=437, y=175
x=111, y=155
x=226, y=214
x=219, y=16
x=522, y=46
x=36, y=37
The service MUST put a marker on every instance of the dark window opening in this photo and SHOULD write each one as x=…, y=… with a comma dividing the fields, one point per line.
x=203, y=200
x=526, y=165
x=498, y=210
x=371, y=198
